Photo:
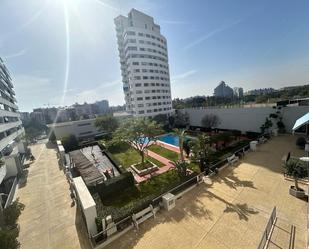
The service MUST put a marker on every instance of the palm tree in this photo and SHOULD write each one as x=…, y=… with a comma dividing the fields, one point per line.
x=181, y=135
x=295, y=168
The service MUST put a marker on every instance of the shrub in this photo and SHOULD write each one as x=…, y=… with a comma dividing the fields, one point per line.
x=70, y=143
x=8, y=239
x=252, y=135
x=300, y=142
x=12, y=212
x=115, y=185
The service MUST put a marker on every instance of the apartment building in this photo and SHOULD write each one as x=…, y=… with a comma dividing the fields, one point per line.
x=223, y=90
x=10, y=123
x=144, y=65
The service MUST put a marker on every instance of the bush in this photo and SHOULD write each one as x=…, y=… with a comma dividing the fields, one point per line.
x=12, y=212
x=252, y=135
x=8, y=239
x=115, y=185
x=70, y=143
x=300, y=142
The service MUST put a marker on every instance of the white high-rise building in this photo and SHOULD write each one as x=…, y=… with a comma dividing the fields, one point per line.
x=144, y=65
x=10, y=123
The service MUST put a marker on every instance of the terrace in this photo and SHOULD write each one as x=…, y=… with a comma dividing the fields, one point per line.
x=231, y=210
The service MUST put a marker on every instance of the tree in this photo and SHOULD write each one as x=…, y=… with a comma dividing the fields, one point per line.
x=70, y=143
x=162, y=119
x=295, y=168
x=181, y=167
x=33, y=128
x=106, y=123
x=181, y=135
x=210, y=121
x=201, y=149
x=52, y=137
x=186, y=147
x=12, y=212
x=8, y=230
x=139, y=132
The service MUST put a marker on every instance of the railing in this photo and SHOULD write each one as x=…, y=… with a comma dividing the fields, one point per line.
x=119, y=226
x=11, y=194
x=267, y=231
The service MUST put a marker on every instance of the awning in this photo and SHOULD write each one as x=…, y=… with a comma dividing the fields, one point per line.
x=301, y=121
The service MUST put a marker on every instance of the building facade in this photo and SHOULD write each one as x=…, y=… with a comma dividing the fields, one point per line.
x=144, y=65
x=223, y=90
x=238, y=92
x=10, y=123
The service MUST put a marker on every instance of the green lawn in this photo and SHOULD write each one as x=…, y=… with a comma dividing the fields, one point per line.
x=127, y=156
x=171, y=155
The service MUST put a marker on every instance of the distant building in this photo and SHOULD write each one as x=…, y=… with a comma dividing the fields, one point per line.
x=38, y=116
x=24, y=116
x=144, y=65
x=238, y=92
x=103, y=106
x=223, y=90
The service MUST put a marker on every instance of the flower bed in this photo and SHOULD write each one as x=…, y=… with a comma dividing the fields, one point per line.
x=144, y=169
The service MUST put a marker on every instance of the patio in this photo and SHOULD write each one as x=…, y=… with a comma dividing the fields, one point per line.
x=231, y=210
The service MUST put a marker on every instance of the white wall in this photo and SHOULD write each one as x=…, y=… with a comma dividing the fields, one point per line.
x=246, y=119
x=77, y=128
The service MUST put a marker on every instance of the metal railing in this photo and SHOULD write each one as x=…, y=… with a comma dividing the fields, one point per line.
x=267, y=232
x=119, y=226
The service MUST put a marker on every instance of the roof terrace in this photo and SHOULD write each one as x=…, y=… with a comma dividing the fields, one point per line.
x=231, y=209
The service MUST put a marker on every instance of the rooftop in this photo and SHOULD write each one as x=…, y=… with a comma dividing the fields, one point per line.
x=231, y=210
x=92, y=164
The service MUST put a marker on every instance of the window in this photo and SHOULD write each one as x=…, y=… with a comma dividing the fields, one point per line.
x=147, y=98
x=141, y=41
x=138, y=85
x=137, y=77
x=141, y=112
x=148, y=36
x=139, y=92
x=139, y=98
x=145, y=77
x=140, y=105
x=145, y=26
x=140, y=34
x=146, y=84
x=149, y=111
x=136, y=70
x=130, y=33
x=135, y=63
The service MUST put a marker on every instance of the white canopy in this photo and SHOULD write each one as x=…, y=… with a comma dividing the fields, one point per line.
x=301, y=121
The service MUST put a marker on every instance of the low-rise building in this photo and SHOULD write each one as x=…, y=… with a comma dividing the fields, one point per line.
x=81, y=129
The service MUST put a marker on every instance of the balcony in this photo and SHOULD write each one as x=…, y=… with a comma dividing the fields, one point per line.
x=7, y=140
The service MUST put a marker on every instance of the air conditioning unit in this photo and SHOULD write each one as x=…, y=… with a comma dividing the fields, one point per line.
x=168, y=201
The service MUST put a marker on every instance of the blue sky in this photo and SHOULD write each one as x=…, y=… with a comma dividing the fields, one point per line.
x=251, y=44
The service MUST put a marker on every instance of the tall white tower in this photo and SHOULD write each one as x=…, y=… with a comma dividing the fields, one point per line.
x=144, y=65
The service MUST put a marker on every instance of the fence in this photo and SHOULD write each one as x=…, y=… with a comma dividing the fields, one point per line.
x=120, y=227
x=267, y=231
x=12, y=193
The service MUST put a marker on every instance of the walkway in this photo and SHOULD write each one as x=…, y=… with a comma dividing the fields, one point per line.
x=48, y=220
x=231, y=210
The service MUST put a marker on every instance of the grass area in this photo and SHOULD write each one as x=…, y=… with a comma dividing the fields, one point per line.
x=127, y=156
x=171, y=155
x=194, y=167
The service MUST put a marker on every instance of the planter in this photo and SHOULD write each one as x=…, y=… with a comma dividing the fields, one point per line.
x=145, y=171
x=299, y=193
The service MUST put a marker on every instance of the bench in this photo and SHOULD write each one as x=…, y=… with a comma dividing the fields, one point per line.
x=232, y=159
x=143, y=215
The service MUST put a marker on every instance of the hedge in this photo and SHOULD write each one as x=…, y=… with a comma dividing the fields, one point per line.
x=115, y=185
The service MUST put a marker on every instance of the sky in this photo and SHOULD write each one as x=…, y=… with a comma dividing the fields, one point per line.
x=64, y=51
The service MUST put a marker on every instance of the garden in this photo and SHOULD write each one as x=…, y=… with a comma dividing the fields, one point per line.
x=130, y=143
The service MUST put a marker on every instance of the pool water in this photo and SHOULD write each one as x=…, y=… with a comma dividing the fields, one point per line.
x=170, y=139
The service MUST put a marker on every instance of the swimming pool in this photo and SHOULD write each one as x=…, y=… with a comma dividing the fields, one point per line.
x=171, y=139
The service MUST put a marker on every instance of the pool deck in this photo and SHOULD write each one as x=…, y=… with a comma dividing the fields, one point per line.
x=230, y=210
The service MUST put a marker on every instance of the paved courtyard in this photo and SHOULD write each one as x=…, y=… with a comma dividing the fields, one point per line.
x=231, y=210
x=48, y=220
